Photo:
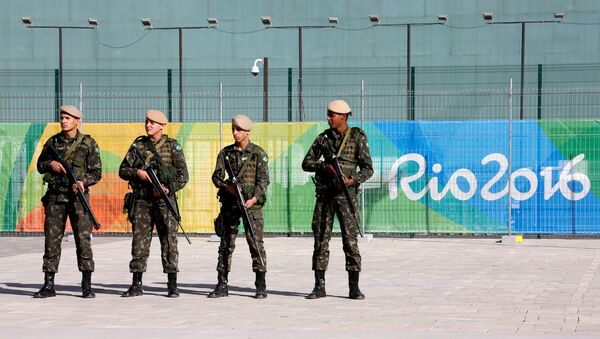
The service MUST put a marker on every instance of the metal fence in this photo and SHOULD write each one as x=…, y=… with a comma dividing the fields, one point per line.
x=371, y=104
x=442, y=163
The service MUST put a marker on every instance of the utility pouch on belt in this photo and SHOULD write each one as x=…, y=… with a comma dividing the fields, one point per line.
x=129, y=206
x=219, y=226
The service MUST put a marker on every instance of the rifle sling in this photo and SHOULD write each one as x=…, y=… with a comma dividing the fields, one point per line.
x=72, y=148
x=245, y=164
x=343, y=145
x=153, y=149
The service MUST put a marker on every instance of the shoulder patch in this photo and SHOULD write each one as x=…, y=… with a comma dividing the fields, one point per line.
x=178, y=146
x=97, y=150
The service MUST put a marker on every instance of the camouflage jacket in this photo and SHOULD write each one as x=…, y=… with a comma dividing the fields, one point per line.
x=171, y=168
x=255, y=178
x=84, y=160
x=355, y=154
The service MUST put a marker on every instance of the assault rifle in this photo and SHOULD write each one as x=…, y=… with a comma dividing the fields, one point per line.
x=73, y=180
x=241, y=202
x=157, y=186
x=332, y=159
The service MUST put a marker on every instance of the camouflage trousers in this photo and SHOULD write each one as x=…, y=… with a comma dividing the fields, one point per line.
x=56, y=209
x=147, y=214
x=322, y=223
x=231, y=220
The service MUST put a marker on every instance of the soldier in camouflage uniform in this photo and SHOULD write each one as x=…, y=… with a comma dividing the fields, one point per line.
x=60, y=201
x=352, y=149
x=249, y=164
x=166, y=156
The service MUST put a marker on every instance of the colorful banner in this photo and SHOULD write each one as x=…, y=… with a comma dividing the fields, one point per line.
x=430, y=177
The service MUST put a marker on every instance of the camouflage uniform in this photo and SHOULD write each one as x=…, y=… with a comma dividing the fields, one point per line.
x=331, y=200
x=151, y=210
x=60, y=201
x=254, y=180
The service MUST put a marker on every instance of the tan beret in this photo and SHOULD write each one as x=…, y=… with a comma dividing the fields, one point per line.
x=72, y=111
x=338, y=106
x=242, y=122
x=156, y=116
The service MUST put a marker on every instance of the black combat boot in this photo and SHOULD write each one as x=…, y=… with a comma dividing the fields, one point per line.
x=355, y=292
x=319, y=290
x=172, y=285
x=136, y=286
x=48, y=289
x=86, y=285
x=261, y=285
x=221, y=290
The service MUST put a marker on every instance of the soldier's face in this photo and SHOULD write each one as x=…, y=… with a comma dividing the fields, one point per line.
x=153, y=128
x=336, y=120
x=239, y=134
x=68, y=123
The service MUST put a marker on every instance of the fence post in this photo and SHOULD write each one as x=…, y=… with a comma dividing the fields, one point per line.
x=220, y=116
x=290, y=94
x=362, y=123
x=510, y=86
x=539, y=93
x=170, y=93
x=57, y=94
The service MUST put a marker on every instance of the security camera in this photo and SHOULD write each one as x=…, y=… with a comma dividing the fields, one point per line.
x=255, y=69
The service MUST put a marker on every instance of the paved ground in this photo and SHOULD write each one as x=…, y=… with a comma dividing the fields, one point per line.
x=417, y=288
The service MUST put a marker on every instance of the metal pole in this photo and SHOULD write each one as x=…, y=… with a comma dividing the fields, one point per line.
x=60, y=66
x=220, y=116
x=408, y=98
x=81, y=104
x=170, y=94
x=522, y=69
x=539, y=98
x=510, y=90
x=290, y=94
x=362, y=124
x=300, y=106
x=180, y=75
x=266, y=89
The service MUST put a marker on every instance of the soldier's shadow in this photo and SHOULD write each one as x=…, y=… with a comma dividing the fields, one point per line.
x=19, y=288
x=30, y=289
x=120, y=288
x=233, y=290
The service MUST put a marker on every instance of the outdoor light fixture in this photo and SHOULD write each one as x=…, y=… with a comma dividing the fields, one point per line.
x=266, y=20
x=374, y=18
x=26, y=20
x=442, y=19
x=334, y=20
x=93, y=22
x=559, y=15
x=213, y=21
x=146, y=22
x=488, y=16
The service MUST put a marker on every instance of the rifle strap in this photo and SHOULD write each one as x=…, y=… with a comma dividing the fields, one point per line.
x=153, y=149
x=72, y=148
x=346, y=137
x=245, y=164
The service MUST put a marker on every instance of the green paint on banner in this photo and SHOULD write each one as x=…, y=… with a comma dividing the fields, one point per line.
x=573, y=137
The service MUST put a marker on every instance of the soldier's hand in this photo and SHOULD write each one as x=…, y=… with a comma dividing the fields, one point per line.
x=349, y=181
x=80, y=184
x=250, y=202
x=165, y=189
x=57, y=167
x=142, y=175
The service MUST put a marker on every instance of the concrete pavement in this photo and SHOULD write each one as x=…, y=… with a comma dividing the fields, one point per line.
x=419, y=288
